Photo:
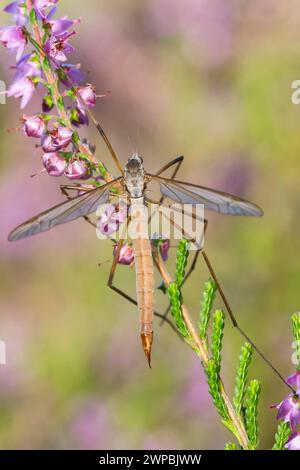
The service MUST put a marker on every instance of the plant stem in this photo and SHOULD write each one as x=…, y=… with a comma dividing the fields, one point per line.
x=203, y=354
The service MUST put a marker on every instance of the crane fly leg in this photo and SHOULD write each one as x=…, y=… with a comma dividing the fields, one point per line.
x=74, y=187
x=124, y=294
x=65, y=193
x=176, y=161
x=187, y=275
x=234, y=320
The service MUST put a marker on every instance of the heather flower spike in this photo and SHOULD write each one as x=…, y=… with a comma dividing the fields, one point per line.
x=65, y=91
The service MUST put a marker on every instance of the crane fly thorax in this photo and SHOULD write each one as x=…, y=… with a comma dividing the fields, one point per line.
x=134, y=176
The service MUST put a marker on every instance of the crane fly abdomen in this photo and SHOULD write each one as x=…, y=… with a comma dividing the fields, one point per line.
x=144, y=274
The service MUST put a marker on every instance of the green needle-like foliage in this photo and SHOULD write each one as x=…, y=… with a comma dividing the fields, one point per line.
x=206, y=306
x=213, y=381
x=217, y=336
x=181, y=261
x=175, y=302
x=251, y=412
x=230, y=446
x=296, y=336
x=212, y=366
x=281, y=436
x=242, y=376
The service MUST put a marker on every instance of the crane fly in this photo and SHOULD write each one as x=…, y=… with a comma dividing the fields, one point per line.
x=133, y=184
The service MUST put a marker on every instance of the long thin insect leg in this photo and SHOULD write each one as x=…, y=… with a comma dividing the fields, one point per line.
x=191, y=269
x=74, y=187
x=124, y=294
x=177, y=160
x=106, y=140
x=85, y=217
x=187, y=275
x=234, y=321
x=89, y=112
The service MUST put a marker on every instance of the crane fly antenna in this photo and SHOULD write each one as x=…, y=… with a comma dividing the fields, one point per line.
x=89, y=112
x=105, y=138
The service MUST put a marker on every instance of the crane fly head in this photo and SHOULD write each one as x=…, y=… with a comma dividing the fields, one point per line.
x=134, y=176
x=134, y=165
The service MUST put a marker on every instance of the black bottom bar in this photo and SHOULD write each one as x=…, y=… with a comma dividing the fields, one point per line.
x=140, y=459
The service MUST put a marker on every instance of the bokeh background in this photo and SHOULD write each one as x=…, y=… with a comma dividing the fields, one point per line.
x=205, y=78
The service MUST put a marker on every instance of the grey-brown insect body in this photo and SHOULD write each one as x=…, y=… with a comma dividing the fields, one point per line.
x=134, y=179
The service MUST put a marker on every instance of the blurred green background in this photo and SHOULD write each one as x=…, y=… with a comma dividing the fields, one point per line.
x=204, y=78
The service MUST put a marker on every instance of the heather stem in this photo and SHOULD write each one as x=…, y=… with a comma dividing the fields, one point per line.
x=202, y=353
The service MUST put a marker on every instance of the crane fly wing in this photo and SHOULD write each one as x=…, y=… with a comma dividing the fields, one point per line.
x=64, y=212
x=177, y=222
x=217, y=201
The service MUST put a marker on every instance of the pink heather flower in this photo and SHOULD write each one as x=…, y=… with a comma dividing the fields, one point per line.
x=289, y=410
x=126, y=255
x=28, y=67
x=41, y=7
x=164, y=249
x=34, y=126
x=58, y=47
x=61, y=25
x=12, y=37
x=294, y=381
x=88, y=95
x=18, y=10
x=54, y=163
x=77, y=169
x=57, y=139
x=111, y=218
x=74, y=74
x=23, y=88
x=294, y=441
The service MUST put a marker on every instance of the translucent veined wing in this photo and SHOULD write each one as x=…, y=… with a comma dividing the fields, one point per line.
x=217, y=201
x=176, y=222
x=64, y=212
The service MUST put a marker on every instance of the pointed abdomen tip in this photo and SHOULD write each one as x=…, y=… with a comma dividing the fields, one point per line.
x=147, y=340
